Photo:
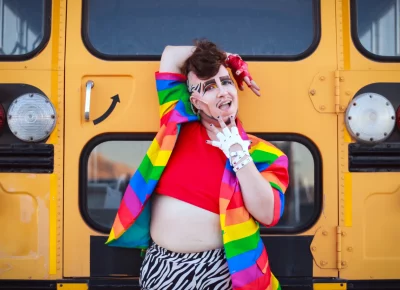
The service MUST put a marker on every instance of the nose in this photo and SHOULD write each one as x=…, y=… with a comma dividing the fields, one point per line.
x=222, y=91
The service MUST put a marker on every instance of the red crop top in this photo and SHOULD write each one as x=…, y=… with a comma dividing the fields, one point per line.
x=194, y=171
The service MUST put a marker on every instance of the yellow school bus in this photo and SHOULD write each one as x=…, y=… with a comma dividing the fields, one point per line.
x=78, y=110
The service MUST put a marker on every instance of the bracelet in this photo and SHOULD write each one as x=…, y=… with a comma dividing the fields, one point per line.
x=242, y=164
x=236, y=156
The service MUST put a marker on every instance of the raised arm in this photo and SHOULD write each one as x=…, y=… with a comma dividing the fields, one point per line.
x=173, y=58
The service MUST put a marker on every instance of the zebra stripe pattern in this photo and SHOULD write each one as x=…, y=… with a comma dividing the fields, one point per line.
x=167, y=270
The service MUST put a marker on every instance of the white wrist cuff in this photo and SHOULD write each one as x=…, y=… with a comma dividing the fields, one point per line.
x=242, y=164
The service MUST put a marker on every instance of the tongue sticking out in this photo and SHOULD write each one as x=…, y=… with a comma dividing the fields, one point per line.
x=225, y=107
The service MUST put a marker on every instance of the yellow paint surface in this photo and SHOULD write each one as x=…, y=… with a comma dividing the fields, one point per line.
x=346, y=33
x=330, y=286
x=72, y=286
x=53, y=224
x=348, y=202
x=35, y=245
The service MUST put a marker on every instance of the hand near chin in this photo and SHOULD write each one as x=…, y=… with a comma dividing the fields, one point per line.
x=241, y=73
x=230, y=142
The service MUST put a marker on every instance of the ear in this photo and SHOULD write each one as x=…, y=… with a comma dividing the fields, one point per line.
x=195, y=99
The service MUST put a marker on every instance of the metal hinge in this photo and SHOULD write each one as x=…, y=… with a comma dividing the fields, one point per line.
x=331, y=248
x=338, y=248
x=324, y=92
x=337, y=92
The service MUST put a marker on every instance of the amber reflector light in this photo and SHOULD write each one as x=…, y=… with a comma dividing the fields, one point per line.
x=398, y=118
x=2, y=117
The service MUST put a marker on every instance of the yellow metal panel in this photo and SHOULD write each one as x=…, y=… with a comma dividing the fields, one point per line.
x=346, y=33
x=369, y=210
x=24, y=224
x=31, y=243
x=330, y=286
x=347, y=137
x=323, y=248
x=284, y=106
x=53, y=225
x=348, y=200
x=72, y=286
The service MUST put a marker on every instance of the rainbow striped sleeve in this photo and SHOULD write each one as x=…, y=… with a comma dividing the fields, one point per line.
x=273, y=165
x=173, y=98
x=131, y=225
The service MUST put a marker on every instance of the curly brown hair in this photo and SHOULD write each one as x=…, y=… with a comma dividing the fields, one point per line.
x=205, y=60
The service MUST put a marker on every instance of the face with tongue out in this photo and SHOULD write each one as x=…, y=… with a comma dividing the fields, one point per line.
x=213, y=97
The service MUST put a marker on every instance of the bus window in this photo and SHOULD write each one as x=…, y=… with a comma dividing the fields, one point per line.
x=24, y=28
x=377, y=27
x=124, y=29
x=107, y=167
x=303, y=196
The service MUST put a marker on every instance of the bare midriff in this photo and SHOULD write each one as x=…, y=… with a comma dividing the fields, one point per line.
x=182, y=227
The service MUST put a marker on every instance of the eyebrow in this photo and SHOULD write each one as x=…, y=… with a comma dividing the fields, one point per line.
x=213, y=80
x=224, y=78
x=209, y=82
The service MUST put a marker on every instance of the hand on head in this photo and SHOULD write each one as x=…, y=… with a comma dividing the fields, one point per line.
x=241, y=73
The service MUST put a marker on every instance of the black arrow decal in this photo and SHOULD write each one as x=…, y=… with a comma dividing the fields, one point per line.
x=100, y=119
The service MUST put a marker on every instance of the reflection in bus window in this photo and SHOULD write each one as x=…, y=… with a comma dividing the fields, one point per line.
x=22, y=26
x=378, y=25
x=253, y=27
x=111, y=164
x=300, y=196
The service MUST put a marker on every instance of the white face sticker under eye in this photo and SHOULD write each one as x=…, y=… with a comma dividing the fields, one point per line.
x=192, y=88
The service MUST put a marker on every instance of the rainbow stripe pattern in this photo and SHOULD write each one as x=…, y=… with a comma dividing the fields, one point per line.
x=245, y=252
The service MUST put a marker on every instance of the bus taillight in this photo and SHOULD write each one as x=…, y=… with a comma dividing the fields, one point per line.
x=2, y=118
x=398, y=118
x=31, y=117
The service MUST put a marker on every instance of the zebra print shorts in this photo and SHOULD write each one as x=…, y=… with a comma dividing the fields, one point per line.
x=166, y=270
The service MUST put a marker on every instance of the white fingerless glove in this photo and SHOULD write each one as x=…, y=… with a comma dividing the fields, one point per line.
x=227, y=138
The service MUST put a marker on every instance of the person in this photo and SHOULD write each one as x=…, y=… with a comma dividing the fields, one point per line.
x=196, y=201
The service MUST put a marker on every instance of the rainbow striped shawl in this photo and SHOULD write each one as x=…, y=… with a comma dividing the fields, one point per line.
x=246, y=254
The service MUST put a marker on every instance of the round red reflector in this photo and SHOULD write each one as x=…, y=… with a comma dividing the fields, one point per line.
x=2, y=117
x=398, y=118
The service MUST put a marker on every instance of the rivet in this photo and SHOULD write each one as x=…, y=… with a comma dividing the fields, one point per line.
x=325, y=233
x=314, y=248
x=341, y=107
x=344, y=234
x=322, y=108
x=348, y=93
x=344, y=263
x=341, y=79
x=322, y=78
x=313, y=92
x=323, y=263
x=350, y=249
